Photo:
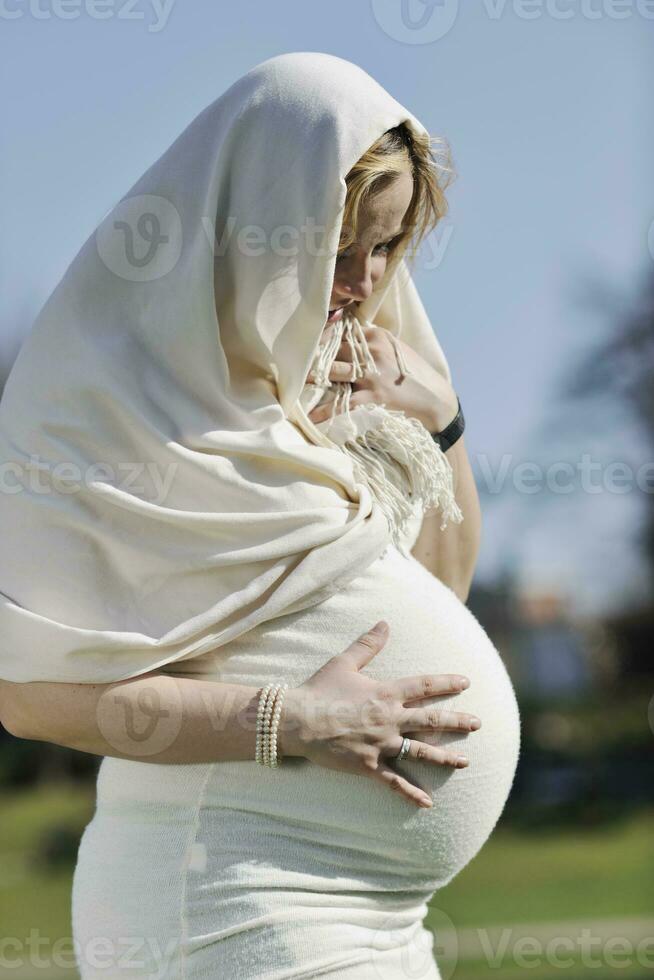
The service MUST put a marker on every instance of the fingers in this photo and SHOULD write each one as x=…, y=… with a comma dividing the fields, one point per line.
x=388, y=777
x=429, y=685
x=423, y=752
x=361, y=652
x=441, y=719
x=338, y=371
x=322, y=412
x=342, y=371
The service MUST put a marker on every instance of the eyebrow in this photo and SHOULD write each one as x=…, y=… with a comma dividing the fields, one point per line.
x=393, y=234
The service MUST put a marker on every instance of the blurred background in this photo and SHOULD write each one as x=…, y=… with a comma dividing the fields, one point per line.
x=540, y=286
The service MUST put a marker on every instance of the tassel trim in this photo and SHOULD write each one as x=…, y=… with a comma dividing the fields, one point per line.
x=392, y=453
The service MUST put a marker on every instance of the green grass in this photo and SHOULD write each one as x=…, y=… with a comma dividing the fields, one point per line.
x=31, y=896
x=532, y=877
x=518, y=877
x=600, y=873
x=542, y=971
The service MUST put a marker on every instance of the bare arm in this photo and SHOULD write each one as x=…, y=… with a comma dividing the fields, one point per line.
x=451, y=555
x=151, y=718
x=167, y=719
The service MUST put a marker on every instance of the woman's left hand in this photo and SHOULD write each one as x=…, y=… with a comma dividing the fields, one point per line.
x=424, y=394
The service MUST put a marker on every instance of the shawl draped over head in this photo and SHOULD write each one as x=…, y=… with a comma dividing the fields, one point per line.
x=163, y=490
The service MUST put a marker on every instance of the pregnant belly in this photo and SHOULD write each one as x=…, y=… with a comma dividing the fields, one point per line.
x=308, y=810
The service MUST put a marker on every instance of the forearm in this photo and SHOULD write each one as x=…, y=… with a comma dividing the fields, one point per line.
x=152, y=718
x=451, y=555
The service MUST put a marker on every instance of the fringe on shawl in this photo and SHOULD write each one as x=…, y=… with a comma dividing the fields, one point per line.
x=395, y=455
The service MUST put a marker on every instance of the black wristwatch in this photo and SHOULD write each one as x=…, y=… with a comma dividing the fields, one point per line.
x=451, y=432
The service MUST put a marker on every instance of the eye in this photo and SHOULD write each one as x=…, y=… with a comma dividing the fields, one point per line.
x=382, y=249
x=390, y=244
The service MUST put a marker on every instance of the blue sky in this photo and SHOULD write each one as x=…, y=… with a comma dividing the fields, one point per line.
x=547, y=109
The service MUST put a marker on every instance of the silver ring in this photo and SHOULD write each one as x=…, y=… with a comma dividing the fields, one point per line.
x=404, y=751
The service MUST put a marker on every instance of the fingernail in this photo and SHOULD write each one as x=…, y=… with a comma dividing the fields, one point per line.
x=426, y=802
x=380, y=627
x=464, y=682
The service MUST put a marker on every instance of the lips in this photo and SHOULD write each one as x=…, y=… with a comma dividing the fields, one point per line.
x=336, y=312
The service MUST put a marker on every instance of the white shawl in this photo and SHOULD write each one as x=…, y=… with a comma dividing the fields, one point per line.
x=163, y=489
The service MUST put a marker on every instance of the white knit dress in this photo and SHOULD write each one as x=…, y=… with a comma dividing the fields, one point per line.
x=234, y=870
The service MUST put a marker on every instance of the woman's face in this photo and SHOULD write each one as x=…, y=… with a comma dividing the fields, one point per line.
x=362, y=264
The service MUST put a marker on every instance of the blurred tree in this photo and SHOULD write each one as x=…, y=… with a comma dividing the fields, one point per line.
x=622, y=366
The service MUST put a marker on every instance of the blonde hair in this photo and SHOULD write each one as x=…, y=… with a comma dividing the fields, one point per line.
x=398, y=150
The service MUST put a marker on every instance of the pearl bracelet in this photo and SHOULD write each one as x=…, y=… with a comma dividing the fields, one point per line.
x=269, y=713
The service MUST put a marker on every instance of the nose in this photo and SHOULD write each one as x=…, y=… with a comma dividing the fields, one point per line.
x=354, y=280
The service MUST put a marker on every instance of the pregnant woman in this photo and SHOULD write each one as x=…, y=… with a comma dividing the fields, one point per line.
x=227, y=447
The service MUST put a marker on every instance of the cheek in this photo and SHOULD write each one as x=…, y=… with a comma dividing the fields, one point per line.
x=378, y=267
